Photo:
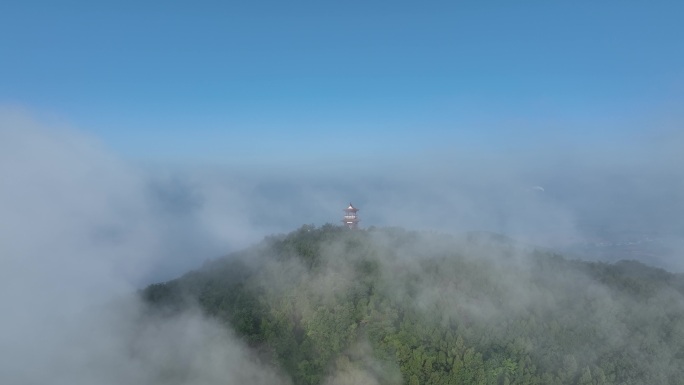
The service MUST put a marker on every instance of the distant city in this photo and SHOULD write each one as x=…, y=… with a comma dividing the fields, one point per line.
x=647, y=247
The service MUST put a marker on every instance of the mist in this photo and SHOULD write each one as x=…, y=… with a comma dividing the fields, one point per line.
x=81, y=231
x=83, y=228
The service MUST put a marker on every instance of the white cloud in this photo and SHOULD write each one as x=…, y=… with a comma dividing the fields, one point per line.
x=79, y=231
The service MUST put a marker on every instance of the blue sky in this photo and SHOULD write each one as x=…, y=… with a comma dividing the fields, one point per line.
x=241, y=82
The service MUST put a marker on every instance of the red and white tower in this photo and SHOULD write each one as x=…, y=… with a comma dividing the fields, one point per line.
x=351, y=220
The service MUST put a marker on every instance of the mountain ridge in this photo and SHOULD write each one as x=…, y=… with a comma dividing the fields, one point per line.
x=330, y=305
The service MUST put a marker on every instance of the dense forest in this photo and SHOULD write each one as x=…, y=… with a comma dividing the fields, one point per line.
x=329, y=305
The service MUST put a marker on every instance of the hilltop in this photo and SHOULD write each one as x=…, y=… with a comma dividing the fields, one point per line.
x=330, y=305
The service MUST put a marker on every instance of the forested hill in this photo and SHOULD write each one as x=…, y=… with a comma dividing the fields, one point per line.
x=388, y=306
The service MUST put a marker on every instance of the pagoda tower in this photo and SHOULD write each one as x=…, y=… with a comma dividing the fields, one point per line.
x=351, y=220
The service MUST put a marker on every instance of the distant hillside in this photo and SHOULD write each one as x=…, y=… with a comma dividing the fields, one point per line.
x=388, y=306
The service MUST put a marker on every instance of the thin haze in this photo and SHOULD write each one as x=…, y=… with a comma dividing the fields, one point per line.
x=82, y=228
x=138, y=141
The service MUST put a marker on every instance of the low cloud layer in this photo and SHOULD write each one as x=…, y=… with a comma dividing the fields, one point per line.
x=80, y=231
x=81, y=228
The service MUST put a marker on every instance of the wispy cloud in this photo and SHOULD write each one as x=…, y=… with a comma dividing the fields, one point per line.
x=80, y=227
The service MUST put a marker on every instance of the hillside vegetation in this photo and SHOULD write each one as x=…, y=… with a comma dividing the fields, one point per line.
x=388, y=306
